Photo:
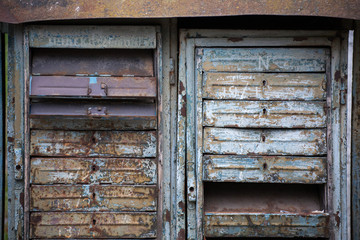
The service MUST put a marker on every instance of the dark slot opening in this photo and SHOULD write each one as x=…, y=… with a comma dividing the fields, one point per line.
x=260, y=238
x=263, y=198
x=114, y=62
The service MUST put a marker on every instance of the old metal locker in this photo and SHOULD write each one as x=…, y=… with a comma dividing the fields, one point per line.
x=259, y=116
x=91, y=132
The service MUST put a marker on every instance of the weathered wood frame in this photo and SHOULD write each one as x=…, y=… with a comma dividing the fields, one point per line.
x=189, y=129
x=18, y=124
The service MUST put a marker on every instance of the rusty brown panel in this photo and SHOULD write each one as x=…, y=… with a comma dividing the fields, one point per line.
x=275, y=169
x=264, y=86
x=92, y=225
x=264, y=142
x=93, y=170
x=266, y=225
x=55, y=86
x=18, y=11
x=93, y=143
x=132, y=110
x=264, y=59
x=265, y=114
x=262, y=198
x=92, y=198
x=54, y=123
x=114, y=62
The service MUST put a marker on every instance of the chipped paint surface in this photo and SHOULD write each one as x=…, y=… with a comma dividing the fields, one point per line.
x=93, y=143
x=93, y=170
x=265, y=169
x=17, y=11
x=92, y=225
x=270, y=225
x=264, y=142
x=264, y=86
x=250, y=114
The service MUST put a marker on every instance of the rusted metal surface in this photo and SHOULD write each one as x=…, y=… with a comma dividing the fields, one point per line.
x=123, y=171
x=85, y=62
x=92, y=225
x=92, y=198
x=275, y=169
x=17, y=11
x=264, y=142
x=93, y=143
x=274, y=114
x=94, y=109
x=269, y=225
x=62, y=123
x=92, y=36
x=264, y=86
x=262, y=198
x=264, y=59
x=110, y=87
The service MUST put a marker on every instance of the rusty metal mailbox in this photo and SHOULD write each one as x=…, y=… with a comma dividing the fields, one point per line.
x=92, y=124
x=260, y=115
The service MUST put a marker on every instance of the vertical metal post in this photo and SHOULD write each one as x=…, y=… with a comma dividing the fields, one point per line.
x=2, y=192
x=355, y=174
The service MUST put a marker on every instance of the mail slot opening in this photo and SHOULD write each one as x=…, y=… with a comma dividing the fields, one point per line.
x=85, y=62
x=263, y=198
x=277, y=238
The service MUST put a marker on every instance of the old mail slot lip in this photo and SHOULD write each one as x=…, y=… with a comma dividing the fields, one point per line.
x=92, y=36
x=83, y=87
x=73, y=198
x=264, y=114
x=265, y=59
x=90, y=225
x=85, y=62
x=264, y=86
x=266, y=225
x=102, y=109
x=72, y=170
x=265, y=169
x=321, y=214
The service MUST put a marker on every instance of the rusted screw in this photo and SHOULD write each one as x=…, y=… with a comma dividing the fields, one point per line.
x=264, y=83
x=264, y=111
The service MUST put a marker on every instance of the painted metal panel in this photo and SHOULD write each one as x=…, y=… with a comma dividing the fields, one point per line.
x=92, y=36
x=85, y=62
x=266, y=225
x=93, y=143
x=265, y=59
x=99, y=123
x=17, y=11
x=109, y=87
x=270, y=169
x=261, y=114
x=92, y=225
x=140, y=110
x=93, y=170
x=264, y=86
x=92, y=198
x=264, y=142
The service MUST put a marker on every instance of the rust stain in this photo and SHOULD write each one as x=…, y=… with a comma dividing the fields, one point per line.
x=182, y=206
x=337, y=76
x=337, y=219
x=168, y=216
x=235, y=39
x=181, y=234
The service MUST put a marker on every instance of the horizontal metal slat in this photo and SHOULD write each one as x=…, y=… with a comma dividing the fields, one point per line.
x=261, y=114
x=310, y=170
x=105, y=87
x=62, y=36
x=264, y=142
x=265, y=86
x=266, y=225
x=92, y=225
x=93, y=143
x=92, y=198
x=145, y=111
x=93, y=170
x=265, y=59
x=109, y=62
